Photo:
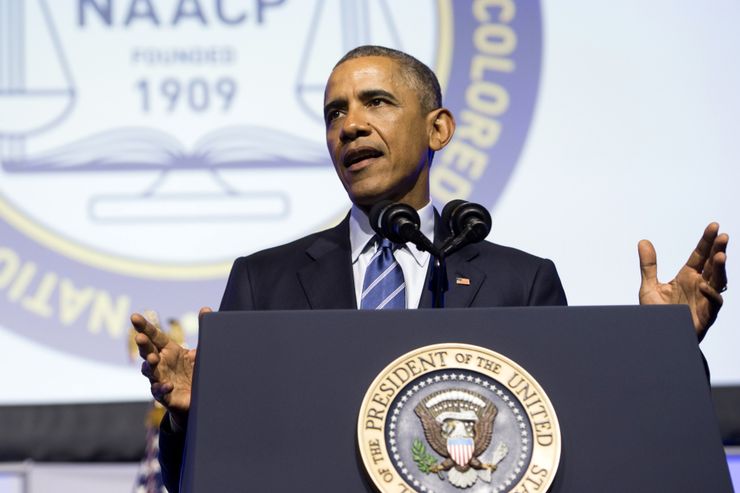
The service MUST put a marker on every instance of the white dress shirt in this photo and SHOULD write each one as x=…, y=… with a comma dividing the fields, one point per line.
x=413, y=261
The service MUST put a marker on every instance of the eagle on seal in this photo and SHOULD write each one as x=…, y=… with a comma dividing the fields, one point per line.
x=458, y=425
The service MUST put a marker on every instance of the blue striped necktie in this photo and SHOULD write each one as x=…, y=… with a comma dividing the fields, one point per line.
x=383, y=287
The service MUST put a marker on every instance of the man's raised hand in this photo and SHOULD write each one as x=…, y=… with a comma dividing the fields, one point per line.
x=698, y=284
x=167, y=365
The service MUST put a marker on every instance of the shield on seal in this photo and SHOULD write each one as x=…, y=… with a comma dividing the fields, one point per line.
x=460, y=449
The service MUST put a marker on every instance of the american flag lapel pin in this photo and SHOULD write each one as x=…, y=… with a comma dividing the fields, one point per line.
x=462, y=281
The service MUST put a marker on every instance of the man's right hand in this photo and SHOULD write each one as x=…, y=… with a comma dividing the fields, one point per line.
x=167, y=365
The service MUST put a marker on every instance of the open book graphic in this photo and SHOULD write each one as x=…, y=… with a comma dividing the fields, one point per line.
x=140, y=148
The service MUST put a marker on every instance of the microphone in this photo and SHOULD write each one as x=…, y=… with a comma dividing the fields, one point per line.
x=469, y=223
x=399, y=223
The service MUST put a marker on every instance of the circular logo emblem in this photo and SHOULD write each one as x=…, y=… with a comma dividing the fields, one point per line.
x=452, y=417
x=146, y=146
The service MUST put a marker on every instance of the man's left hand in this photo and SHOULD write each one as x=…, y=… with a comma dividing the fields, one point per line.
x=698, y=283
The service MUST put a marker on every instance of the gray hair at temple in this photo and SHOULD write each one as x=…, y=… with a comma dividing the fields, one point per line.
x=419, y=76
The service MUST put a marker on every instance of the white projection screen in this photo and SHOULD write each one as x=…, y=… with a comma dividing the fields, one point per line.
x=146, y=144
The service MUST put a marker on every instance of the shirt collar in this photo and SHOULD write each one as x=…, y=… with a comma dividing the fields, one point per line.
x=360, y=232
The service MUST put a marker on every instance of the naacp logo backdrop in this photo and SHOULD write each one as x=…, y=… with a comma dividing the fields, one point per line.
x=144, y=145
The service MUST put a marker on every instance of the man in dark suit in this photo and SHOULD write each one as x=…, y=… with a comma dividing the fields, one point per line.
x=384, y=121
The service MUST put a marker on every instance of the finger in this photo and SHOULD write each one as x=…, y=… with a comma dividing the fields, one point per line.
x=718, y=245
x=161, y=392
x=143, y=326
x=152, y=359
x=718, y=279
x=146, y=370
x=150, y=365
x=648, y=263
x=715, y=303
x=145, y=345
x=715, y=298
x=149, y=370
x=703, y=249
x=203, y=311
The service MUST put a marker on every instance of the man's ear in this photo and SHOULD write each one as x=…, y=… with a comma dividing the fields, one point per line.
x=441, y=126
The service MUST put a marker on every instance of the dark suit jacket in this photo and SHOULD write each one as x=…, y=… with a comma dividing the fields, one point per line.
x=315, y=272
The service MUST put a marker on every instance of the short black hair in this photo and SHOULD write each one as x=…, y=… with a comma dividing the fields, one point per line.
x=421, y=77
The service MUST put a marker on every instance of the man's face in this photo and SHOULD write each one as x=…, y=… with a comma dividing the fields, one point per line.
x=376, y=132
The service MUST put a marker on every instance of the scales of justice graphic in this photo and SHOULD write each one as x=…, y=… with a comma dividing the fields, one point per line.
x=188, y=183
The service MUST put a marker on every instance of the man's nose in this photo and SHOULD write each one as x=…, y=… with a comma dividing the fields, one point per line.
x=354, y=126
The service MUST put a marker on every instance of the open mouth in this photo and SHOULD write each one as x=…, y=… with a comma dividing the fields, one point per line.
x=360, y=154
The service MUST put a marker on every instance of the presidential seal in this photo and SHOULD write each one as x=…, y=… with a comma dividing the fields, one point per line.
x=452, y=417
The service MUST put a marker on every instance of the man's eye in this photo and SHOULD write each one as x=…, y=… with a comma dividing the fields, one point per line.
x=332, y=115
x=376, y=101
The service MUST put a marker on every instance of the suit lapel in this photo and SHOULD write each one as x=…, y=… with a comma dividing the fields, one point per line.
x=327, y=279
x=465, y=280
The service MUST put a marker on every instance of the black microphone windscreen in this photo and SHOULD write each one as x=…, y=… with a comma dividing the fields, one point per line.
x=376, y=215
x=448, y=211
x=395, y=221
x=460, y=215
x=473, y=216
